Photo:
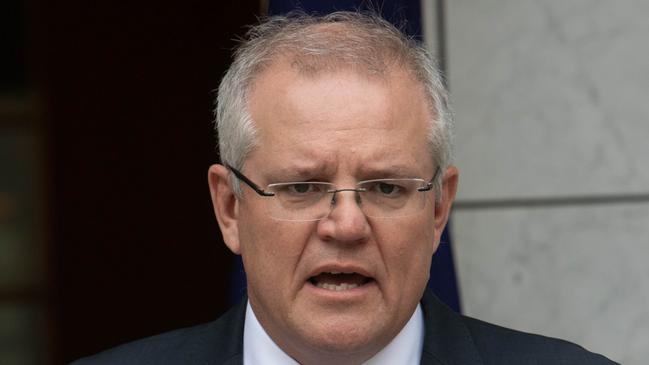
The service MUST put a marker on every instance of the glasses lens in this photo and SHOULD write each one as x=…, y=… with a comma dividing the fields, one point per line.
x=300, y=201
x=382, y=198
x=392, y=197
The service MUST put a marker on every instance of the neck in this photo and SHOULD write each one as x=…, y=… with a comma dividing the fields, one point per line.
x=264, y=345
x=306, y=355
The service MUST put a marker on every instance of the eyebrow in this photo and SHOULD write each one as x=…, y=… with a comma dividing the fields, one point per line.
x=303, y=172
x=394, y=171
x=300, y=172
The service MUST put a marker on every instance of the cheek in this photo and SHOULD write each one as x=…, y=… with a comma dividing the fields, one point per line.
x=408, y=247
x=270, y=251
x=270, y=248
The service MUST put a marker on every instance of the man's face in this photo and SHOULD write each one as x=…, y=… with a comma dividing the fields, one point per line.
x=340, y=127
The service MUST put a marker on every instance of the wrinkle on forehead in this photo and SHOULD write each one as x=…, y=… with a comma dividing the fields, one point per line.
x=288, y=94
x=337, y=118
x=363, y=161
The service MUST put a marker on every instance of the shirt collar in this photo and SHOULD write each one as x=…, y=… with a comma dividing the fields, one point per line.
x=405, y=348
x=258, y=348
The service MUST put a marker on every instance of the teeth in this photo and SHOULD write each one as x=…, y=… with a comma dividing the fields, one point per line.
x=334, y=287
x=335, y=272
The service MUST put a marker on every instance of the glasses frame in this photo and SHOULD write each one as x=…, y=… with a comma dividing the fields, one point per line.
x=262, y=192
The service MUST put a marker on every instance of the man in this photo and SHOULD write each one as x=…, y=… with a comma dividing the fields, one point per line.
x=334, y=187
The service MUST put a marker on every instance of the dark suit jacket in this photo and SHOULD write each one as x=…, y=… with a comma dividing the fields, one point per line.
x=450, y=339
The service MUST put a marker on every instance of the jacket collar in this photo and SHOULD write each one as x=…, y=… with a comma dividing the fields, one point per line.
x=447, y=340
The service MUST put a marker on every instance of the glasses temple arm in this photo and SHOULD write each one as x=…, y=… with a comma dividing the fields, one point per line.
x=249, y=182
x=429, y=184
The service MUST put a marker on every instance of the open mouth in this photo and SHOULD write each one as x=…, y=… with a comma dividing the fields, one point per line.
x=339, y=281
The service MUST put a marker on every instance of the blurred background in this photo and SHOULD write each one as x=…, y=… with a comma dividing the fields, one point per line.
x=551, y=226
x=106, y=229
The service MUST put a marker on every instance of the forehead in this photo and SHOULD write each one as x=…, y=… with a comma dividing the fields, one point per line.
x=327, y=115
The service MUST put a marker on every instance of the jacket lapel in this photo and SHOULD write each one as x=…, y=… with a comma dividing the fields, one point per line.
x=447, y=340
x=225, y=344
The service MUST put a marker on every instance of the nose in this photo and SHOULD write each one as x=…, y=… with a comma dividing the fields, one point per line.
x=346, y=222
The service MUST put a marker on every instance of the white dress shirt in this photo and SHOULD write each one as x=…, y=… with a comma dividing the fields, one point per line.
x=405, y=348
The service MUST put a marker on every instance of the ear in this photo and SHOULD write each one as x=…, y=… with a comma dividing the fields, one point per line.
x=443, y=206
x=226, y=206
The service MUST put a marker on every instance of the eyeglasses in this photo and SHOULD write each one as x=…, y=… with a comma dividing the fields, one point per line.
x=310, y=201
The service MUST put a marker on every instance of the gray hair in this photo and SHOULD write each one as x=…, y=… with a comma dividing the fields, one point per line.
x=363, y=41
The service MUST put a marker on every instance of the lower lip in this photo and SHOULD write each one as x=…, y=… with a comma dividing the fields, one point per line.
x=356, y=293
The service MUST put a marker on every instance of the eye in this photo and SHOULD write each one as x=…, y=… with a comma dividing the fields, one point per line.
x=303, y=188
x=300, y=188
x=386, y=188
